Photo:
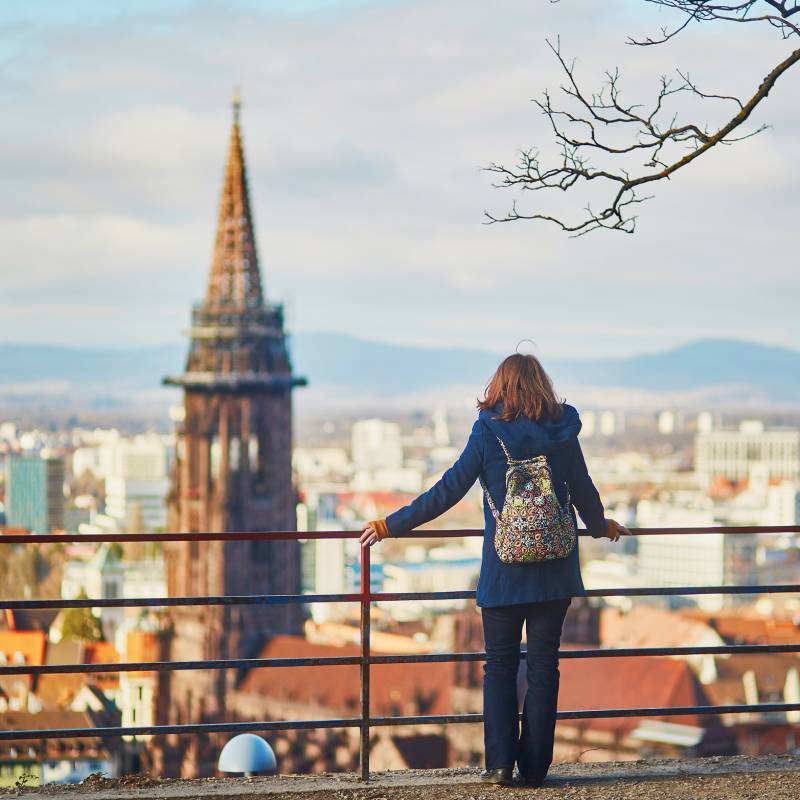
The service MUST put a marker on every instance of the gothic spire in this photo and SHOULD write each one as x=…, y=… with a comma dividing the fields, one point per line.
x=235, y=281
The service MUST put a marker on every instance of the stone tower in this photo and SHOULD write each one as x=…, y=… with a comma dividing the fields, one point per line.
x=232, y=473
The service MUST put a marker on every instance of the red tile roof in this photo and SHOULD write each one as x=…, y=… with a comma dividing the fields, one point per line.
x=742, y=629
x=644, y=626
x=637, y=681
x=396, y=689
x=30, y=644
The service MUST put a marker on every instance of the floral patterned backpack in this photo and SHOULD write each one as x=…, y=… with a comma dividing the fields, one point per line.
x=533, y=525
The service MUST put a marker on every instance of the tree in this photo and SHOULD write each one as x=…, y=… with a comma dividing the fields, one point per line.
x=80, y=623
x=615, y=150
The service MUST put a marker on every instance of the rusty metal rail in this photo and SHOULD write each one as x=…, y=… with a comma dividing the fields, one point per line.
x=365, y=597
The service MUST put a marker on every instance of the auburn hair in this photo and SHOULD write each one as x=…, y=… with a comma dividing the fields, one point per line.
x=524, y=388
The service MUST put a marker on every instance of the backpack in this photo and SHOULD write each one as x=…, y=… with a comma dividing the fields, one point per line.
x=533, y=525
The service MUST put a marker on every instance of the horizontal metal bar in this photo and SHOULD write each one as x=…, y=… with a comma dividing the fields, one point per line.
x=616, y=652
x=725, y=649
x=711, y=529
x=769, y=588
x=350, y=661
x=156, y=730
x=172, y=666
x=440, y=719
x=284, y=599
x=41, y=538
x=147, y=602
x=235, y=536
x=387, y=597
x=678, y=711
x=605, y=713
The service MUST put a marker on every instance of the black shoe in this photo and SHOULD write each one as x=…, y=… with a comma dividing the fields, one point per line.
x=530, y=781
x=500, y=777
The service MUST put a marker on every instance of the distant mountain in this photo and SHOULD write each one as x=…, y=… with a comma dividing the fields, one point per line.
x=346, y=365
x=141, y=368
x=343, y=361
x=706, y=362
x=337, y=360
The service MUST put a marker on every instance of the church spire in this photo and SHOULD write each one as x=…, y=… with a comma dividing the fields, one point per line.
x=235, y=280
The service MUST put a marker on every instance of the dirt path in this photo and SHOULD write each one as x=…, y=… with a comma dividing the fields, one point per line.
x=719, y=778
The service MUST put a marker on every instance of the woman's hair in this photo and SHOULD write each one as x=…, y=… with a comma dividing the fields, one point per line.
x=524, y=388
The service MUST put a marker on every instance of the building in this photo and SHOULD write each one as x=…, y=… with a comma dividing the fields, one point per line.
x=56, y=760
x=135, y=473
x=35, y=493
x=137, y=689
x=692, y=559
x=731, y=453
x=376, y=444
x=232, y=472
x=106, y=452
x=138, y=506
x=333, y=691
x=109, y=576
x=635, y=681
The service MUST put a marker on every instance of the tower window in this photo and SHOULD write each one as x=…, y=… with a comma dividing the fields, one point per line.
x=216, y=457
x=233, y=453
x=259, y=465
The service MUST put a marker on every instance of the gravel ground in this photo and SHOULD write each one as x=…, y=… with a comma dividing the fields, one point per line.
x=775, y=786
x=733, y=778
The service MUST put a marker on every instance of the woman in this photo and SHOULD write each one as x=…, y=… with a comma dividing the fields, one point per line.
x=520, y=409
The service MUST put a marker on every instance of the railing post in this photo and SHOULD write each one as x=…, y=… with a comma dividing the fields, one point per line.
x=365, y=658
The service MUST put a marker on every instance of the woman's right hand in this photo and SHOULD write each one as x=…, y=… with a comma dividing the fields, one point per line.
x=615, y=530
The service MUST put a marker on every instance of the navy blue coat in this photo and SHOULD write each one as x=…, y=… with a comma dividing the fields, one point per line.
x=508, y=584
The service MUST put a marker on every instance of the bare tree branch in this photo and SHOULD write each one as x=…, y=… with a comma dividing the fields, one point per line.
x=602, y=126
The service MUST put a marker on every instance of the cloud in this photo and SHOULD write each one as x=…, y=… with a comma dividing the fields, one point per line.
x=366, y=127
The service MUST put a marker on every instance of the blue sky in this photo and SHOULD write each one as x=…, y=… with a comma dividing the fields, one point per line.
x=366, y=127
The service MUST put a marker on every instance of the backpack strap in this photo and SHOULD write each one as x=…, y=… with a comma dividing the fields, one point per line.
x=510, y=462
x=489, y=500
x=508, y=455
x=505, y=449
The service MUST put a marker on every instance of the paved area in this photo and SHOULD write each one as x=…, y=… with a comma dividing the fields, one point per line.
x=719, y=778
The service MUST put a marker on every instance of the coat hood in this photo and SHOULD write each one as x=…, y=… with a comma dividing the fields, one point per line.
x=526, y=438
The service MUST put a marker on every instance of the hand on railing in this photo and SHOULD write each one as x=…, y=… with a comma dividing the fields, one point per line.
x=373, y=532
x=615, y=530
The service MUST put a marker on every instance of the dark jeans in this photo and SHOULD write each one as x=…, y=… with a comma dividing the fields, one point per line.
x=532, y=749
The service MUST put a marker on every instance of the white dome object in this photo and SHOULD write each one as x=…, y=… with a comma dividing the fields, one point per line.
x=247, y=753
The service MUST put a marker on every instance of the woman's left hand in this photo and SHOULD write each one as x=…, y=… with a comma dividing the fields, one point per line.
x=373, y=532
x=369, y=536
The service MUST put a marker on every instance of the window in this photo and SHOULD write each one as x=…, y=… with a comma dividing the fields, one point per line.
x=233, y=454
x=215, y=452
x=258, y=451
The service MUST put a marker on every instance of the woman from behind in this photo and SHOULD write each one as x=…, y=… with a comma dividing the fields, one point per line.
x=524, y=449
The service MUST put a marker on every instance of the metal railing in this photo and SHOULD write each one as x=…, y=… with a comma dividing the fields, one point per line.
x=365, y=597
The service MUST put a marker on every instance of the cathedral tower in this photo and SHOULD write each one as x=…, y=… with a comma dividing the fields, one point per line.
x=233, y=466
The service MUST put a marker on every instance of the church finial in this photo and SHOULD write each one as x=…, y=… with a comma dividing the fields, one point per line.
x=237, y=104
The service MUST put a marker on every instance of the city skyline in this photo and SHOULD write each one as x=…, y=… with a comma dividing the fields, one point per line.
x=367, y=185
x=210, y=203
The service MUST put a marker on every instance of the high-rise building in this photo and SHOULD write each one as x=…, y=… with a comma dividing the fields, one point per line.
x=232, y=472
x=35, y=493
x=376, y=444
x=732, y=453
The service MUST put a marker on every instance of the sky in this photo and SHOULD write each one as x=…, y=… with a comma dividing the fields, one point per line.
x=367, y=125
